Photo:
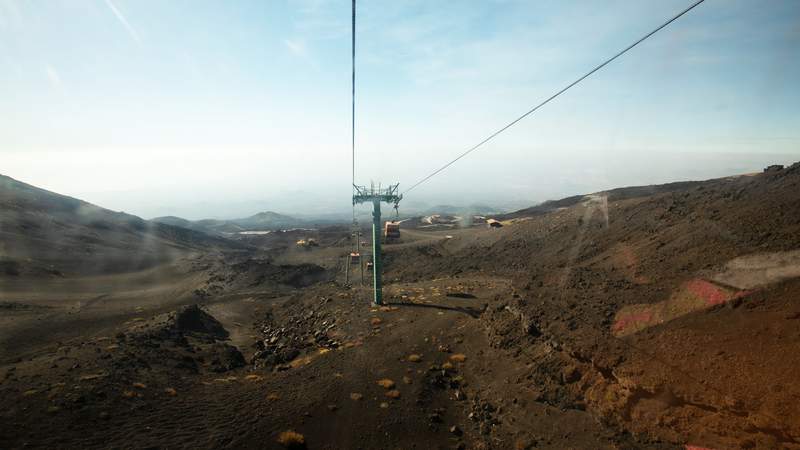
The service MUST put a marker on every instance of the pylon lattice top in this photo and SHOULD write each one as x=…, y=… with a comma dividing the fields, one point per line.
x=370, y=194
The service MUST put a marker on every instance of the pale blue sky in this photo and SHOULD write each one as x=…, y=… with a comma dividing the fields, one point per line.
x=212, y=108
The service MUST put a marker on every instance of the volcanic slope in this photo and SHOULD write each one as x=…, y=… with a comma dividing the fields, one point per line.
x=44, y=233
x=668, y=311
x=654, y=317
x=72, y=268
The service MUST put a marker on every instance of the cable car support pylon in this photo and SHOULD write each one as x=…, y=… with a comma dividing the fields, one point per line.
x=376, y=196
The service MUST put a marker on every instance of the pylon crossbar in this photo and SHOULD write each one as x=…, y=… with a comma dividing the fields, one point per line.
x=364, y=194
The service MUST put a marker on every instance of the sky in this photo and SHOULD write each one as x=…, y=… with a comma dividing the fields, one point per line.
x=225, y=108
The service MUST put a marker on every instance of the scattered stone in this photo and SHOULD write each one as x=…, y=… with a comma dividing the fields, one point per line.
x=281, y=344
x=414, y=358
x=170, y=391
x=356, y=396
x=456, y=430
x=570, y=374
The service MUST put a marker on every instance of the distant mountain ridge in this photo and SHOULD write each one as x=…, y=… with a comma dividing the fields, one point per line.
x=263, y=221
x=42, y=232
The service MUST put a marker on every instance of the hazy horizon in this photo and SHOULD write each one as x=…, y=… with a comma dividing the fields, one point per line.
x=596, y=175
x=211, y=110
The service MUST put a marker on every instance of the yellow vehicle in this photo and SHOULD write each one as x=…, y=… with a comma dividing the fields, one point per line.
x=307, y=243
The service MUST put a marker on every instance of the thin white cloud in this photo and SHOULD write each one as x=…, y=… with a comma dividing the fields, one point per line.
x=124, y=22
x=298, y=48
x=53, y=76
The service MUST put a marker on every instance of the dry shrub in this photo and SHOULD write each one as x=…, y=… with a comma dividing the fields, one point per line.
x=458, y=357
x=92, y=376
x=414, y=358
x=376, y=321
x=356, y=396
x=273, y=397
x=226, y=379
x=394, y=393
x=253, y=377
x=386, y=383
x=170, y=391
x=447, y=366
x=139, y=385
x=129, y=394
x=292, y=439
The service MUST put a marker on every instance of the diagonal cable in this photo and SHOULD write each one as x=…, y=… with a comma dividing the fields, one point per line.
x=531, y=111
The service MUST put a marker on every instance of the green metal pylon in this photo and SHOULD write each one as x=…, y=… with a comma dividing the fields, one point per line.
x=376, y=196
x=377, y=282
